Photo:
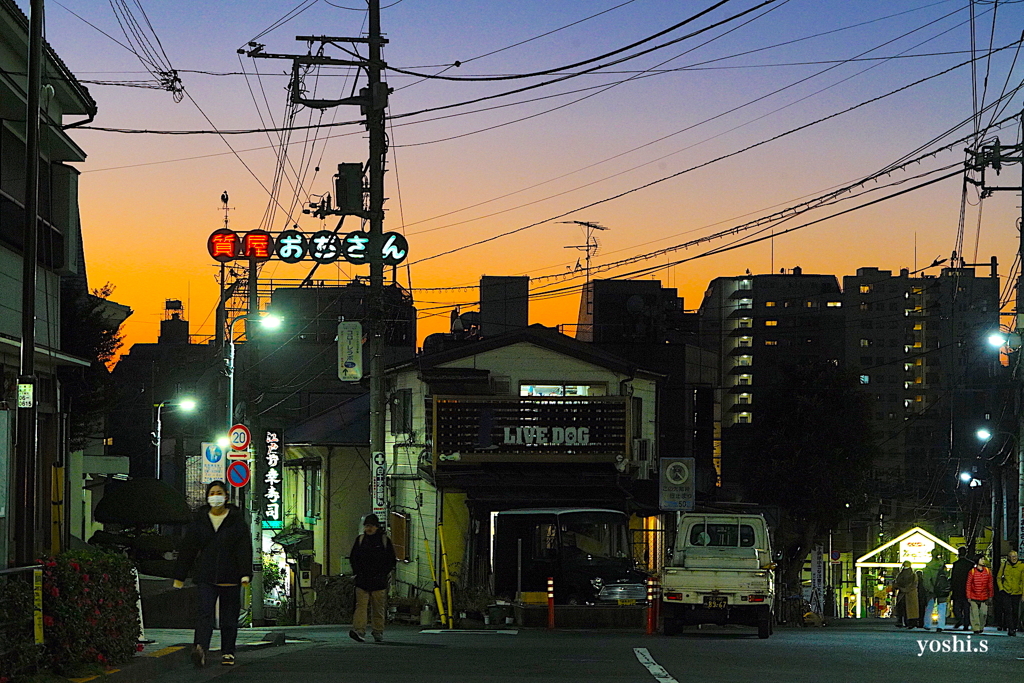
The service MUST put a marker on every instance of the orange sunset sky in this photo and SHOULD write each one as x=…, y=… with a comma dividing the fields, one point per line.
x=873, y=71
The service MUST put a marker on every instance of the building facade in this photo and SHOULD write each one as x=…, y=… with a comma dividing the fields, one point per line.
x=60, y=256
x=531, y=418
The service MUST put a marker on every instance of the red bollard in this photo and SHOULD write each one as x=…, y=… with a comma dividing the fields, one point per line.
x=551, y=602
x=652, y=621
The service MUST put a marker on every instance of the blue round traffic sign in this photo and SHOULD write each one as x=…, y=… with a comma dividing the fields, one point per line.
x=214, y=453
x=238, y=473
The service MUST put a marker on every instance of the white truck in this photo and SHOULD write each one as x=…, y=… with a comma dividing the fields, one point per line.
x=720, y=572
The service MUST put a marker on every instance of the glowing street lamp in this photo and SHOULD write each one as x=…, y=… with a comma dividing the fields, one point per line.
x=270, y=322
x=186, y=404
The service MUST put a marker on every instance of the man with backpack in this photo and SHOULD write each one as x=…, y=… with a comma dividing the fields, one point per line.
x=937, y=588
x=372, y=559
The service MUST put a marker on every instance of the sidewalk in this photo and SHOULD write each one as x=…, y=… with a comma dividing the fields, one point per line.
x=171, y=649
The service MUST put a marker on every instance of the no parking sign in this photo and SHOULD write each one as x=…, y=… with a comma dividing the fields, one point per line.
x=238, y=473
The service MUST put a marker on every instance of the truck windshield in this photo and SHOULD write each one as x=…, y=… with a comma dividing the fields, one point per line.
x=595, y=536
x=722, y=535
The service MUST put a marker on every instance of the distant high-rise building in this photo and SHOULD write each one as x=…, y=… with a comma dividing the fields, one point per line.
x=919, y=346
x=759, y=324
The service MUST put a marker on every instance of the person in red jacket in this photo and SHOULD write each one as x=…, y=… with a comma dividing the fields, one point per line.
x=980, y=589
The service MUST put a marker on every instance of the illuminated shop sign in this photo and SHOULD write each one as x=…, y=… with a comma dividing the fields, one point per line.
x=537, y=429
x=292, y=246
x=271, y=496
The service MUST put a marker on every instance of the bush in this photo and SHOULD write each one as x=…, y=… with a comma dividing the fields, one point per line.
x=18, y=651
x=90, y=611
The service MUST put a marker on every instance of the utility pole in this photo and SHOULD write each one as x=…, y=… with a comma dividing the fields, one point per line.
x=995, y=155
x=26, y=477
x=373, y=101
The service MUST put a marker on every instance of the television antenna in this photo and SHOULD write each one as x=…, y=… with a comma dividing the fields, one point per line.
x=592, y=245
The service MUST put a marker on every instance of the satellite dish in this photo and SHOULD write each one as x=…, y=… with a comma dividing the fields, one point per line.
x=635, y=304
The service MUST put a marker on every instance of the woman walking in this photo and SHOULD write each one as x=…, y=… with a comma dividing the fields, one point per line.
x=980, y=589
x=217, y=551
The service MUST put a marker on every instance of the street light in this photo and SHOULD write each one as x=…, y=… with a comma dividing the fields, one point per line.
x=186, y=404
x=270, y=322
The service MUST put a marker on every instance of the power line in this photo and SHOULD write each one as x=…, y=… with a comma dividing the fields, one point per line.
x=701, y=165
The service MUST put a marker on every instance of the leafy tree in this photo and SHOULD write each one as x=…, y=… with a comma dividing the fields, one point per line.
x=88, y=331
x=813, y=454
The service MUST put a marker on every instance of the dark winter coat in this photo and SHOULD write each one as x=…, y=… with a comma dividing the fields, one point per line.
x=224, y=556
x=958, y=577
x=372, y=558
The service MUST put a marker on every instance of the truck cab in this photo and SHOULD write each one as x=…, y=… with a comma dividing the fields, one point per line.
x=585, y=550
x=720, y=572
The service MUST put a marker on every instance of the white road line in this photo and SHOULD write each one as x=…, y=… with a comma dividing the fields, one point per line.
x=657, y=670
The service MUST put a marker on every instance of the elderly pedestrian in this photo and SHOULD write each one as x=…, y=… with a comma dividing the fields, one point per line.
x=373, y=560
x=217, y=551
x=906, y=599
x=1010, y=581
x=980, y=589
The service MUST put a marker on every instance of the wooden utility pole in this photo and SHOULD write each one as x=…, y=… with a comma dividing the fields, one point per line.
x=373, y=102
x=26, y=463
x=995, y=156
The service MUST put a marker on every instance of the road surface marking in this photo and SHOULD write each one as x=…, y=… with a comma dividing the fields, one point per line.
x=657, y=670
x=162, y=651
x=499, y=632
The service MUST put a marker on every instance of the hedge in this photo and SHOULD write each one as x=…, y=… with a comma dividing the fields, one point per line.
x=90, y=614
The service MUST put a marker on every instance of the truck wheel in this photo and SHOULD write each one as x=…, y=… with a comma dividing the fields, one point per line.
x=764, y=624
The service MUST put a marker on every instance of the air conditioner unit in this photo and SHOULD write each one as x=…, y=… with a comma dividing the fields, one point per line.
x=642, y=458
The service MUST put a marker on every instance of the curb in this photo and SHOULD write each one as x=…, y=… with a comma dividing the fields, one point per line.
x=149, y=665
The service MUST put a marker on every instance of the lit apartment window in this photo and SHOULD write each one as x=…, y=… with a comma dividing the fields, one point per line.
x=746, y=322
x=771, y=323
x=744, y=360
x=811, y=304
x=745, y=379
x=769, y=304
x=744, y=399
x=918, y=327
x=771, y=342
x=865, y=379
x=865, y=289
x=746, y=341
x=865, y=342
x=834, y=304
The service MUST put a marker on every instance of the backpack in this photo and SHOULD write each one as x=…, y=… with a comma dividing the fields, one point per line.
x=942, y=587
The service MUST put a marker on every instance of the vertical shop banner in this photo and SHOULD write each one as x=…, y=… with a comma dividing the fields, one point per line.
x=380, y=499
x=350, y=351
x=817, y=600
x=267, y=479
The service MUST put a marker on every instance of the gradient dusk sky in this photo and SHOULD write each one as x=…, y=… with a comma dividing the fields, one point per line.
x=468, y=173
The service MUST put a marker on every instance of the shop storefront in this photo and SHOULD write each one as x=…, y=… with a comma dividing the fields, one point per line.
x=876, y=569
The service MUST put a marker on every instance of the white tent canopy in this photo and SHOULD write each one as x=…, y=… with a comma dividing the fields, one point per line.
x=916, y=545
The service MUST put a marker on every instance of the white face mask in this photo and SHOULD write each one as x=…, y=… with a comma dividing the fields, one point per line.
x=216, y=501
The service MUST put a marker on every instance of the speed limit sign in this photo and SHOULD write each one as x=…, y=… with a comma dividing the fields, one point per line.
x=239, y=437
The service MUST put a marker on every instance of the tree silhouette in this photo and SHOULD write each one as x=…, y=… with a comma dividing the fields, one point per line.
x=812, y=456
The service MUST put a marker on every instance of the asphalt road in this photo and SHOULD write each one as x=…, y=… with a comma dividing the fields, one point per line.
x=832, y=654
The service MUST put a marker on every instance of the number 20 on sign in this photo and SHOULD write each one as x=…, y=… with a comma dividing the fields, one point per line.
x=239, y=437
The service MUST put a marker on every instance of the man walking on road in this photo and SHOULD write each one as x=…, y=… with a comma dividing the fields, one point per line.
x=1011, y=582
x=373, y=559
x=958, y=581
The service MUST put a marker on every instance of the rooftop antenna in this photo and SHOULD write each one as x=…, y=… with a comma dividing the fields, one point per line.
x=592, y=244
